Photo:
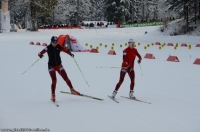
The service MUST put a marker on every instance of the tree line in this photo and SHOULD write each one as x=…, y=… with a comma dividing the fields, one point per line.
x=75, y=11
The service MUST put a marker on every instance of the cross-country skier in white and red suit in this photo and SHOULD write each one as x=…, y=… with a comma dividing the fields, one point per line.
x=129, y=55
x=53, y=50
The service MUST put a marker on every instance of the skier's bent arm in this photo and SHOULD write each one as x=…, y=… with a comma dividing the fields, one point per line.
x=40, y=54
x=65, y=50
x=139, y=56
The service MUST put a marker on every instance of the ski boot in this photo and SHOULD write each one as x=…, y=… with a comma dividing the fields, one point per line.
x=114, y=94
x=131, y=94
x=74, y=92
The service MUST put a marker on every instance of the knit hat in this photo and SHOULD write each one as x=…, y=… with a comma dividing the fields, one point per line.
x=54, y=39
x=131, y=41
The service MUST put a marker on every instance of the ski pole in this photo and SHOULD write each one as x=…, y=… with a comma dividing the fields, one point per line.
x=110, y=67
x=141, y=70
x=31, y=66
x=81, y=72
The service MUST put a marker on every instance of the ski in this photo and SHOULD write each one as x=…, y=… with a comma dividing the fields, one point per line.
x=135, y=99
x=113, y=99
x=82, y=95
x=54, y=102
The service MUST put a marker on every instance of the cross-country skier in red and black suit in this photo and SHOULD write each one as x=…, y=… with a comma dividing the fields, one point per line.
x=129, y=55
x=53, y=50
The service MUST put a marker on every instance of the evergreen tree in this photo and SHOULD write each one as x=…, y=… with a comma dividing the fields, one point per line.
x=18, y=10
x=72, y=11
x=185, y=8
x=97, y=10
x=42, y=9
x=116, y=10
x=146, y=9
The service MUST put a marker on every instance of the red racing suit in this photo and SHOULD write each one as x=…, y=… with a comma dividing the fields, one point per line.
x=54, y=64
x=129, y=57
x=128, y=60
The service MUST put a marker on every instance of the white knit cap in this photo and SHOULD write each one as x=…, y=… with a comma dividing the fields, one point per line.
x=131, y=41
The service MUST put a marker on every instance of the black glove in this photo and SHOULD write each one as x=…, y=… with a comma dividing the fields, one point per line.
x=129, y=68
x=72, y=55
x=41, y=55
x=139, y=61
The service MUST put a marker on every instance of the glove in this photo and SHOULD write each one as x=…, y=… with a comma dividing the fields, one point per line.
x=139, y=61
x=129, y=68
x=40, y=55
x=72, y=55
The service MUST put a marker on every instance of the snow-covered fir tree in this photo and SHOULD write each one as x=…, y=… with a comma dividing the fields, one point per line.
x=132, y=10
x=19, y=10
x=97, y=12
x=189, y=10
x=116, y=10
x=72, y=11
x=144, y=10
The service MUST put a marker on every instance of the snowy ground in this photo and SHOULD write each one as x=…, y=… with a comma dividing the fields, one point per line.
x=173, y=88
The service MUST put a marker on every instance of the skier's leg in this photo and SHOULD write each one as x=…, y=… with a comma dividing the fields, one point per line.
x=132, y=77
x=63, y=74
x=52, y=73
x=121, y=79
